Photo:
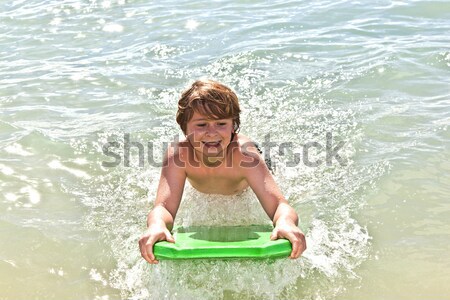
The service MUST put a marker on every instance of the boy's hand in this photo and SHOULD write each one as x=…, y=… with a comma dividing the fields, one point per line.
x=152, y=235
x=293, y=234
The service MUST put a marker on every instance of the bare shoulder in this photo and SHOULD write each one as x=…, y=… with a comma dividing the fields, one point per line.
x=177, y=154
x=246, y=145
x=246, y=152
x=178, y=147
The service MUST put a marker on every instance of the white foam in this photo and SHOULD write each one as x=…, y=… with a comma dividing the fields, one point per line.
x=33, y=194
x=10, y=262
x=191, y=25
x=113, y=27
x=59, y=272
x=56, y=21
x=11, y=197
x=81, y=161
x=106, y=4
x=6, y=170
x=96, y=276
x=17, y=149
x=55, y=164
x=323, y=195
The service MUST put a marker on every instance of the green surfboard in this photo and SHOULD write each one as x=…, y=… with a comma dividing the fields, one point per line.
x=223, y=242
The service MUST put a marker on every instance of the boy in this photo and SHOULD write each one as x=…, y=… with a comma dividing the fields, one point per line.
x=215, y=159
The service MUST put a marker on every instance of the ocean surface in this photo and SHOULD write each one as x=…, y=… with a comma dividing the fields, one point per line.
x=369, y=80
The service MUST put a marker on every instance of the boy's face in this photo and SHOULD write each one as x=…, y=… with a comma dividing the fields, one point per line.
x=209, y=136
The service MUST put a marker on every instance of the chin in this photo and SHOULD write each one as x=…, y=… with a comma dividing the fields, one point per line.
x=212, y=154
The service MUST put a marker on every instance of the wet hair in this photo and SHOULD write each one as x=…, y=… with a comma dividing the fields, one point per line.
x=211, y=99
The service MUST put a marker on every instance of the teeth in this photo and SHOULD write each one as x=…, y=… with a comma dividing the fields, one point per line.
x=211, y=143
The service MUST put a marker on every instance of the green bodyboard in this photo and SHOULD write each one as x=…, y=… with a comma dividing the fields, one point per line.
x=222, y=242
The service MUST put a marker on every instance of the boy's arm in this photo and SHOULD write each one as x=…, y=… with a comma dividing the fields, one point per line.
x=161, y=218
x=283, y=216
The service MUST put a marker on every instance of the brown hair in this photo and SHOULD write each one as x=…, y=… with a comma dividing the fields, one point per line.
x=209, y=98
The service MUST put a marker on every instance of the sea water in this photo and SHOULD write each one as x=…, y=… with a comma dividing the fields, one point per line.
x=368, y=78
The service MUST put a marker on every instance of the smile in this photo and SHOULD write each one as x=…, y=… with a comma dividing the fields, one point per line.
x=211, y=144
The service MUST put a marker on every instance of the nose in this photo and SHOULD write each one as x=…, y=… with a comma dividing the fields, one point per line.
x=211, y=130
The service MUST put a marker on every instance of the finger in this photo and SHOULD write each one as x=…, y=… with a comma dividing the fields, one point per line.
x=169, y=237
x=144, y=253
x=151, y=257
x=149, y=251
x=146, y=246
x=274, y=235
x=295, y=243
x=301, y=246
x=295, y=248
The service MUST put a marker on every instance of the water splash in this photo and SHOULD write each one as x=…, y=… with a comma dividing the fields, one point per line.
x=326, y=196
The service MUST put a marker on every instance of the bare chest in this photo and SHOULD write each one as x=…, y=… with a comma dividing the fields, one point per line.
x=218, y=180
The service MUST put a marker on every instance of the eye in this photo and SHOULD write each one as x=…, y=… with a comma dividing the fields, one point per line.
x=201, y=124
x=222, y=123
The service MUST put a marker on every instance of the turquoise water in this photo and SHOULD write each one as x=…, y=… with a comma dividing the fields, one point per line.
x=77, y=74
